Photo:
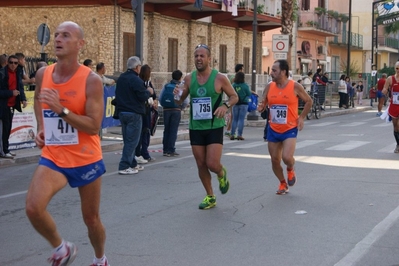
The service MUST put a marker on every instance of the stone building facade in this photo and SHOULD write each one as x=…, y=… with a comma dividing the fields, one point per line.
x=105, y=29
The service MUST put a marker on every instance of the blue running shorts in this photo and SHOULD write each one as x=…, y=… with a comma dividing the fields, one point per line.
x=77, y=176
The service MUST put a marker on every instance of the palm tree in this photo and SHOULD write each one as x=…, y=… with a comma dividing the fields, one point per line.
x=288, y=16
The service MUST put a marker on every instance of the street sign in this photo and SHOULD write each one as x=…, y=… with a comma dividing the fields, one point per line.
x=43, y=34
x=278, y=56
x=280, y=43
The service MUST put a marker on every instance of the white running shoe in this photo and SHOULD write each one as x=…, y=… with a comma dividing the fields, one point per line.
x=67, y=259
x=138, y=168
x=140, y=159
x=128, y=171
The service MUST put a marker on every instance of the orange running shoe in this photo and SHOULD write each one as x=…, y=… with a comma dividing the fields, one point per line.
x=282, y=189
x=291, y=177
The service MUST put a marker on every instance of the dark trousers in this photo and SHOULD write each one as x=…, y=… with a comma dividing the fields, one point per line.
x=7, y=125
x=342, y=99
x=144, y=142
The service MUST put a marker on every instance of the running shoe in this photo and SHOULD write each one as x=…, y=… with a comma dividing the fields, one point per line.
x=138, y=168
x=282, y=189
x=174, y=154
x=224, y=183
x=208, y=202
x=227, y=134
x=67, y=259
x=291, y=177
x=240, y=138
x=396, y=149
x=141, y=160
x=101, y=264
x=232, y=137
x=128, y=171
x=13, y=153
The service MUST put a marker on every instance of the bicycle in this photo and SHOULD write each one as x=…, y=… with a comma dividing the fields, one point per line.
x=315, y=109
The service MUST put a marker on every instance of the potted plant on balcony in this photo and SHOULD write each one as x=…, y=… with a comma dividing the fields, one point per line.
x=343, y=17
x=319, y=10
x=278, y=13
x=311, y=23
x=333, y=14
x=260, y=9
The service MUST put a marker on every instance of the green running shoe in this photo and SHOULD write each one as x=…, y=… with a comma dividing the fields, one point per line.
x=224, y=183
x=208, y=202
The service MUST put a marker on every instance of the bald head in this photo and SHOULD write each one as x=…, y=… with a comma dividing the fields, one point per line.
x=73, y=26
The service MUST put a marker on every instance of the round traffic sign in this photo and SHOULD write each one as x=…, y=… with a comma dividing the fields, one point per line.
x=280, y=45
x=43, y=34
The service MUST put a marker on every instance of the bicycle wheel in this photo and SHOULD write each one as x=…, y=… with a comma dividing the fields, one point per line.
x=309, y=115
x=316, y=107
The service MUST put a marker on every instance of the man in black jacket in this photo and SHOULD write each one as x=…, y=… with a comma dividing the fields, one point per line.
x=131, y=95
x=11, y=96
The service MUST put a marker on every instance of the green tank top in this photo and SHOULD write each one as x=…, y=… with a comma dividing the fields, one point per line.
x=202, y=101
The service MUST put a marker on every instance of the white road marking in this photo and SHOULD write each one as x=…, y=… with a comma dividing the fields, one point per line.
x=367, y=242
x=323, y=124
x=348, y=145
x=353, y=124
x=306, y=143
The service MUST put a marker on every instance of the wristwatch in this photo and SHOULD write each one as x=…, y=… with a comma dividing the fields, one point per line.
x=227, y=104
x=64, y=112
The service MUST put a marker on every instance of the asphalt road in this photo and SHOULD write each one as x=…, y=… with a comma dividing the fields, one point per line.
x=348, y=185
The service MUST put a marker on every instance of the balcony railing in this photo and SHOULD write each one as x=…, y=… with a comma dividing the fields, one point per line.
x=356, y=39
x=324, y=22
x=388, y=42
x=268, y=7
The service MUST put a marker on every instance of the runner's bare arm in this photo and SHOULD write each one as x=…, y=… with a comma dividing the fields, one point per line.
x=304, y=96
x=90, y=123
x=387, y=85
x=263, y=104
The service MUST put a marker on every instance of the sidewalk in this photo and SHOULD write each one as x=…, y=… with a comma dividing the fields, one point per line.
x=112, y=137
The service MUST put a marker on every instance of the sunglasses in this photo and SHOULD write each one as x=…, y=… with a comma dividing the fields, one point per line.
x=203, y=46
x=13, y=62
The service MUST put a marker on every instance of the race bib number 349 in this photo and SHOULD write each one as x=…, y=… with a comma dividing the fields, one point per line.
x=278, y=114
x=57, y=131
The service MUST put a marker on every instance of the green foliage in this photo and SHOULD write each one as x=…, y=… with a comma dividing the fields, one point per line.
x=295, y=9
x=392, y=28
x=354, y=68
x=387, y=70
x=320, y=10
x=260, y=9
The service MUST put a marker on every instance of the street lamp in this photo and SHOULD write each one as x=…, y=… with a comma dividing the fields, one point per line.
x=252, y=115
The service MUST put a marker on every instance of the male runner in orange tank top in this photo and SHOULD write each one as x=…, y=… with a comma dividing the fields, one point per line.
x=69, y=107
x=281, y=96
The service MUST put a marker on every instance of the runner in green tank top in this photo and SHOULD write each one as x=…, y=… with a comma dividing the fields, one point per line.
x=205, y=87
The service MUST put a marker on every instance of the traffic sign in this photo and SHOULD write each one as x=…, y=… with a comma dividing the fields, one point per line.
x=43, y=34
x=278, y=56
x=280, y=43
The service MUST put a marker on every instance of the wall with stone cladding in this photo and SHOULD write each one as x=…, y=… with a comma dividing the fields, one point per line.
x=19, y=33
x=104, y=27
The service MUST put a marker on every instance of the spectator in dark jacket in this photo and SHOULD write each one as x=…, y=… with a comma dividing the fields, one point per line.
x=11, y=96
x=131, y=95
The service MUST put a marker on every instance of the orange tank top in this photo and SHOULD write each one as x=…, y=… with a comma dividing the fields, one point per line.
x=85, y=149
x=283, y=104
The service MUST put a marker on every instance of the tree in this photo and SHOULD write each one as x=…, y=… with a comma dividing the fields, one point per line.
x=287, y=22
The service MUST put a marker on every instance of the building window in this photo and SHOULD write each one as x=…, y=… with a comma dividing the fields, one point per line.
x=129, y=47
x=305, y=5
x=172, y=54
x=246, y=52
x=322, y=3
x=223, y=58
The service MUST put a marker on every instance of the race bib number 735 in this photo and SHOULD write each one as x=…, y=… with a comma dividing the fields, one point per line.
x=57, y=131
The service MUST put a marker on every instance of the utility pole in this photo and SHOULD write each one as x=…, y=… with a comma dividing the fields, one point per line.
x=348, y=64
x=138, y=10
x=252, y=115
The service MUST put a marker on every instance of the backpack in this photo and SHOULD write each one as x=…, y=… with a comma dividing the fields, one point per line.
x=253, y=103
x=167, y=100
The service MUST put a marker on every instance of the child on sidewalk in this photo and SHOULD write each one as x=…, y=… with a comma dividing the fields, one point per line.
x=372, y=95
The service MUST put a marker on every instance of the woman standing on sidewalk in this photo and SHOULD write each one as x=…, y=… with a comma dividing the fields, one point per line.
x=240, y=110
x=342, y=92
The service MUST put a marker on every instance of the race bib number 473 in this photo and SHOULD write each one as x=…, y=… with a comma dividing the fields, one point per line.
x=57, y=131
